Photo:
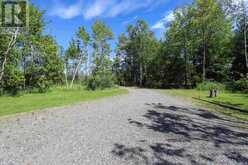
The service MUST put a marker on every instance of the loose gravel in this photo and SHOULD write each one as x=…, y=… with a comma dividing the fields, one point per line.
x=142, y=127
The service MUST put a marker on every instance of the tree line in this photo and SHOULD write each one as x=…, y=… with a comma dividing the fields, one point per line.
x=206, y=41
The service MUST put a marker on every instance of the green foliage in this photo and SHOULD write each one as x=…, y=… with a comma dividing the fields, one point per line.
x=137, y=50
x=76, y=56
x=84, y=35
x=101, y=32
x=239, y=69
x=207, y=85
x=30, y=61
x=241, y=85
x=43, y=67
x=117, y=70
x=102, y=76
x=100, y=81
x=72, y=52
x=36, y=20
x=42, y=84
x=13, y=80
x=196, y=46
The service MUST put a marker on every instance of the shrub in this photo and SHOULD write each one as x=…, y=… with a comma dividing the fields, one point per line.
x=13, y=81
x=42, y=84
x=241, y=85
x=207, y=85
x=100, y=81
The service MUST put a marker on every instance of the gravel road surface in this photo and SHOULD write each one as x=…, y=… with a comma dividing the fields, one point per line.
x=143, y=127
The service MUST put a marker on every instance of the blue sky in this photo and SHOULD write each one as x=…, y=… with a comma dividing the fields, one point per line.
x=63, y=17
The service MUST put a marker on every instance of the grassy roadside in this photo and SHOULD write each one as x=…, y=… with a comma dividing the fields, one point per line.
x=58, y=96
x=231, y=99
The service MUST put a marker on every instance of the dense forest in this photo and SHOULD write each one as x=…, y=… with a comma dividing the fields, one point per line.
x=205, y=42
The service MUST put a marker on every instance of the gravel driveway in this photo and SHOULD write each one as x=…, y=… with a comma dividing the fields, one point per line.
x=142, y=127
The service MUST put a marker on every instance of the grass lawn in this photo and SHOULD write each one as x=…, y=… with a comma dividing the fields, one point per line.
x=231, y=99
x=58, y=96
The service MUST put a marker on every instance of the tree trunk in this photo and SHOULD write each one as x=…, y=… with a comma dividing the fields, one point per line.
x=245, y=39
x=86, y=68
x=141, y=76
x=186, y=71
x=145, y=77
x=6, y=53
x=204, y=61
x=66, y=77
x=211, y=93
x=3, y=67
x=132, y=69
x=186, y=64
x=75, y=72
x=215, y=92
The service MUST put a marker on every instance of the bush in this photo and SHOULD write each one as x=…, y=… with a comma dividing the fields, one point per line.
x=207, y=85
x=13, y=81
x=100, y=81
x=42, y=84
x=241, y=85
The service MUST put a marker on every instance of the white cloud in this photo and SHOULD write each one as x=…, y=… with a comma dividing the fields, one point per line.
x=130, y=20
x=101, y=8
x=97, y=8
x=127, y=6
x=118, y=8
x=161, y=23
x=67, y=12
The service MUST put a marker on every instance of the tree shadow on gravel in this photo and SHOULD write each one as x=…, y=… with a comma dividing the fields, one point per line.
x=138, y=155
x=186, y=126
x=200, y=112
x=180, y=124
x=237, y=157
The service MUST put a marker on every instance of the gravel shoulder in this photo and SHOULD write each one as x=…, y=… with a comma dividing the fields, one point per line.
x=142, y=127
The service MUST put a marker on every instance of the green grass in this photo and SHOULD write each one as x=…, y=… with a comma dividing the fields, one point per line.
x=58, y=96
x=231, y=99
